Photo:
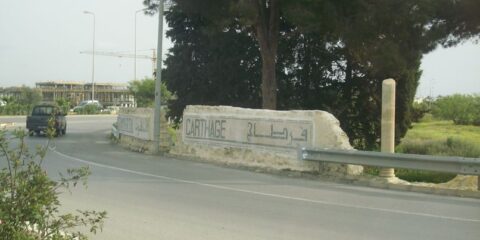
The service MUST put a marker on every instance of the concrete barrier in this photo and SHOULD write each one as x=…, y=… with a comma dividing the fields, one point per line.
x=260, y=138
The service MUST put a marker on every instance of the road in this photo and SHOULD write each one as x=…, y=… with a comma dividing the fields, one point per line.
x=152, y=197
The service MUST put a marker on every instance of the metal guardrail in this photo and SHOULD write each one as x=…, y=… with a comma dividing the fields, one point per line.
x=458, y=165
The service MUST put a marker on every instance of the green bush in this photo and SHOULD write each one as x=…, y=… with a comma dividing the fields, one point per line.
x=88, y=109
x=29, y=198
x=14, y=108
x=23, y=104
x=423, y=176
x=461, y=109
x=144, y=92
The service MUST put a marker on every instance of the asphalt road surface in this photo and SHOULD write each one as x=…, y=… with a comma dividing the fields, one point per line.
x=152, y=197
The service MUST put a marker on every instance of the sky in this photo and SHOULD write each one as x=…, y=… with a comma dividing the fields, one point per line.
x=42, y=41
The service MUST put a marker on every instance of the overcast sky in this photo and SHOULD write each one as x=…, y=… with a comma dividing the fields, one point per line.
x=42, y=40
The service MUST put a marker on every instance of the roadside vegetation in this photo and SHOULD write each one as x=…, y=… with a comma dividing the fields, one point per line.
x=447, y=126
x=23, y=104
x=88, y=110
x=29, y=97
x=144, y=92
x=442, y=138
x=29, y=197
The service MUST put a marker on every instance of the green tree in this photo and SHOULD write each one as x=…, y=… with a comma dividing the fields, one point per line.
x=419, y=109
x=23, y=104
x=261, y=19
x=144, y=92
x=461, y=109
x=29, y=97
x=339, y=68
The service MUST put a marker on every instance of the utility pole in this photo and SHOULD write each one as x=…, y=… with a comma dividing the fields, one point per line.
x=156, y=118
x=93, y=55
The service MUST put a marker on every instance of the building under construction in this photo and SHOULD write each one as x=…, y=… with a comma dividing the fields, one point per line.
x=108, y=94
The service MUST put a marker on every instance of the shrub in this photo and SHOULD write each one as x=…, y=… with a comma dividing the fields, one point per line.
x=88, y=109
x=13, y=108
x=423, y=176
x=29, y=204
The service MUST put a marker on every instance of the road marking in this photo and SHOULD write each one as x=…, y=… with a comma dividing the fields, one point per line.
x=267, y=194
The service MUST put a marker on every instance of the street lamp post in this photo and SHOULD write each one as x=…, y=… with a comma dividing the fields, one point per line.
x=93, y=55
x=135, y=48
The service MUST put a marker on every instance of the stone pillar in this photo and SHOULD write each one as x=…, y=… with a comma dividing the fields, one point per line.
x=388, y=123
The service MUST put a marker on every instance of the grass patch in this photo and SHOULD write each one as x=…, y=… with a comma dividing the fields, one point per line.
x=439, y=138
x=441, y=130
x=448, y=147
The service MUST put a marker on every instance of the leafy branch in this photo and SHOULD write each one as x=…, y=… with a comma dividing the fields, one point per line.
x=29, y=198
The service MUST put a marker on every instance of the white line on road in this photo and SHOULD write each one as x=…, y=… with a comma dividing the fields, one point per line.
x=268, y=194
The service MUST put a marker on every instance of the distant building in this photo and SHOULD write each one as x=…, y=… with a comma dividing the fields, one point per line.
x=108, y=94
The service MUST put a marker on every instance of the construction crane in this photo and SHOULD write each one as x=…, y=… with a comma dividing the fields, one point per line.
x=153, y=57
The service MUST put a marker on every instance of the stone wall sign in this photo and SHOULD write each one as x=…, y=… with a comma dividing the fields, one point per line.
x=260, y=138
x=246, y=131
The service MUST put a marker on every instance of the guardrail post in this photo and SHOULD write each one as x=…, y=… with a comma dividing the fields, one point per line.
x=388, y=123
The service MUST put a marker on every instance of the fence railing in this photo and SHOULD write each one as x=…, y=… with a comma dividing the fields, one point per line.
x=458, y=165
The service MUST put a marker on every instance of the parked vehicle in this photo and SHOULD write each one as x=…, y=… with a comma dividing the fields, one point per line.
x=37, y=122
